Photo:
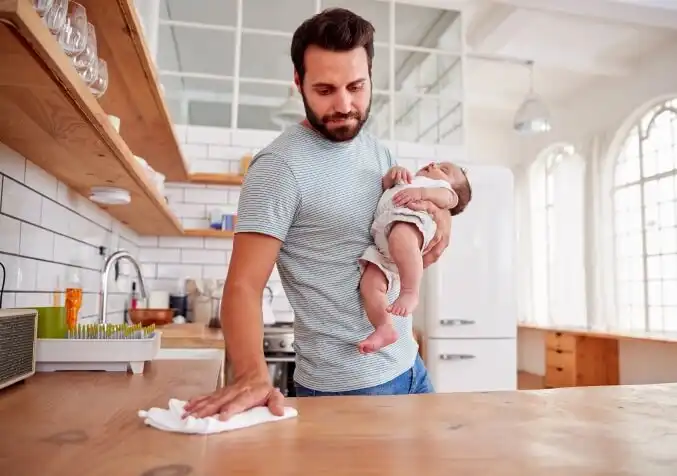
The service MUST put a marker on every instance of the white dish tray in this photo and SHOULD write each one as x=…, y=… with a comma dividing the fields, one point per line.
x=111, y=355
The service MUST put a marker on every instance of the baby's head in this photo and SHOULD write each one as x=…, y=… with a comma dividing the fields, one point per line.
x=456, y=177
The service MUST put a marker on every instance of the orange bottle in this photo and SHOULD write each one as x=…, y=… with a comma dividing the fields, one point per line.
x=73, y=300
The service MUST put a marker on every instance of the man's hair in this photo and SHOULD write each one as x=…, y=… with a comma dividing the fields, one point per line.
x=334, y=29
x=464, y=192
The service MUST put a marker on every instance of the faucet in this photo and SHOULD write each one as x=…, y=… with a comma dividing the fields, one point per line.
x=103, y=294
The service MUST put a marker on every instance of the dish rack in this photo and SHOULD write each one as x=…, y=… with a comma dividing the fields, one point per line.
x=106, y=347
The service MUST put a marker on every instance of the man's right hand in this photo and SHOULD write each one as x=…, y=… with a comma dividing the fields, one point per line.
x=241, y=395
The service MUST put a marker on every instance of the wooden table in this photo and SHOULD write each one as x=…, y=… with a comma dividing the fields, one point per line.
x=191, y=336
x=86, y=424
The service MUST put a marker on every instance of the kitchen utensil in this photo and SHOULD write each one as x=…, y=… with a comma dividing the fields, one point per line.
x=158, y=300
x=51, y=322
x=267, y=309
x=152, y=316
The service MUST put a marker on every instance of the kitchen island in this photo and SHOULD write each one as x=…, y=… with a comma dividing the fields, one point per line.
x=86, y=424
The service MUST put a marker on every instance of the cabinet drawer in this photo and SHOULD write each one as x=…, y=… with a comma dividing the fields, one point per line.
x=560, y=341
x=560, y=377
x=560, y=358
x=472, y=365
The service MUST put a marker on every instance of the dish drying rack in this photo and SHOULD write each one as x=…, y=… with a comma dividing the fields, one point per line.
x=105, y=347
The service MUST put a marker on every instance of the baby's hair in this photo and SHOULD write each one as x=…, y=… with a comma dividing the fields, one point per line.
x=464, y=192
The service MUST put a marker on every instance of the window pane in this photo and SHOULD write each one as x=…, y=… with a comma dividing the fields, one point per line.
x=655, y=318
x=653, y=242
x=667, y=215
x=653, y=267
x=651, y=193
x=668, y=240
x=670, y=319
x=670, y=293
x=669, y=266
x=666, y=189
x=655, y=289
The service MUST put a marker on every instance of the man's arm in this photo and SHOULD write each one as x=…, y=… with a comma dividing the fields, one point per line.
x=440, y=241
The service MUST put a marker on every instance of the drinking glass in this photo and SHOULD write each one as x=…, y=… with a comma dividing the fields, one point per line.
x=42, y=6
x=56, y=16
x=91, y=73
x=100, y=84
x=73, y=35
x=88, y=55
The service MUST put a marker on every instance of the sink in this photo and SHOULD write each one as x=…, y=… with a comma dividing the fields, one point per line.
x=189, y=354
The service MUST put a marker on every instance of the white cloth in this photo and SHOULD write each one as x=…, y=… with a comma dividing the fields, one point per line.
x=387, y=213
x=170, y=419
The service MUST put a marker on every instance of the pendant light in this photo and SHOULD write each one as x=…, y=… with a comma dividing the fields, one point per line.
x=532, y=117
x=290, y=112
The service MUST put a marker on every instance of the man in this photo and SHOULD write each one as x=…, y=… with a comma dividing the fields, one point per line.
x=308, y=202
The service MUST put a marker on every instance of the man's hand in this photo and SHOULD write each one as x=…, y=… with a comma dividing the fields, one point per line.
x=244, y=393
x=408, y=195
x=395, y=175
x=440, y=241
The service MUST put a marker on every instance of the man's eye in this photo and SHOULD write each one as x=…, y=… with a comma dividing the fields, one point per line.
x=357, y=87
x=323, y=92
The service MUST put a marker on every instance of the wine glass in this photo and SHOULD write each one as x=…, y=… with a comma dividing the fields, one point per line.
x=91, y=73
x=73, y=35
x=100, y=84
x=88, y=56
x=56, y=16
x=42, y=6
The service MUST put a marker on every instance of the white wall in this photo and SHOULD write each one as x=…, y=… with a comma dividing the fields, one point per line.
x=590, y=121
x=48, y=233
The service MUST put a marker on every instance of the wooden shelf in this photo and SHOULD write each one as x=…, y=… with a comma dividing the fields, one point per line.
x=217, y=179
x=209, y=233
x=48, y=115
x=133, y=92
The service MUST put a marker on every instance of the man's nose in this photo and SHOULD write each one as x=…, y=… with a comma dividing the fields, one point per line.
x=342, y=102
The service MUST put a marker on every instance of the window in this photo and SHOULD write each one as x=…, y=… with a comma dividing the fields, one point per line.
x=226, y=64
x=557, y=238
x=645, y=223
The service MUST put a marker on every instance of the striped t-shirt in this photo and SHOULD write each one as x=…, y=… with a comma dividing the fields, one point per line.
x=319, y=197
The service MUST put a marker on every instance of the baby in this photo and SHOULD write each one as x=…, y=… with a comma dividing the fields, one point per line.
x=402, y=229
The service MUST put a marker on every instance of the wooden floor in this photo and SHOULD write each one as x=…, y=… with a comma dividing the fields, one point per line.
x=527, y=381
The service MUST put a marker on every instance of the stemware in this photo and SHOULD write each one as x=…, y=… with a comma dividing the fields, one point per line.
x=42, y=6
x=99, y=86
x=73, y=35
x=56, y=16
x=88, y=56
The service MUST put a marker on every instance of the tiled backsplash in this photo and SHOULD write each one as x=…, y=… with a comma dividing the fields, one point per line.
x=48, y=233
x=216, y=150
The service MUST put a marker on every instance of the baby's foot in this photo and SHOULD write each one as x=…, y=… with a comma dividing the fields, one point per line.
x=405, y=304
x=382, y=336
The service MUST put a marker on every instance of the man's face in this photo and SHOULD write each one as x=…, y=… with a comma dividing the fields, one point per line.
x=336, y=91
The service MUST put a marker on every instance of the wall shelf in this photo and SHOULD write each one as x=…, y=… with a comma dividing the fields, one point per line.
x=217, y=179
x=48, y=114
x=209, y=233
x=133, y=93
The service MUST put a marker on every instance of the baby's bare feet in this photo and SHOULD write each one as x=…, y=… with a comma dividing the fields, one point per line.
x=382, y=336
x=405, y=304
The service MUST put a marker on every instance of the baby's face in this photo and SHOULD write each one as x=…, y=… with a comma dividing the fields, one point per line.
x=442, y=171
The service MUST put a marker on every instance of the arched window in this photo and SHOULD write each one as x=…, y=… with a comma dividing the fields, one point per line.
x=557, y=237
x=645, y=222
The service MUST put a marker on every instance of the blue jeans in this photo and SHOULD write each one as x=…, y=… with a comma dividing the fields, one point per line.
x=414, y=380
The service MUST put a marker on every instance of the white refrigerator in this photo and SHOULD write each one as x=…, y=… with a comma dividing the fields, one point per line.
x=470, y=294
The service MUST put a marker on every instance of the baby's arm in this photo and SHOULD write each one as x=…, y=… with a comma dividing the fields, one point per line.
x=395, y=175
x=441, y=197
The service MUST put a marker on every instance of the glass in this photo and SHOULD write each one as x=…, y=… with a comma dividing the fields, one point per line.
x=42, y=6
x=100, y=84
x=56, y=16
x=84, y=60
x=73, y=35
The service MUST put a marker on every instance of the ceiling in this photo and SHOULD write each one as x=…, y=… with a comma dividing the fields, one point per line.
x=573, y=43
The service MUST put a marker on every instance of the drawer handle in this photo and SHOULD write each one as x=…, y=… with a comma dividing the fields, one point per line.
x=559, y=351
x=456, y=356
x=456, y=322
x=559, y=369
x=558, y=334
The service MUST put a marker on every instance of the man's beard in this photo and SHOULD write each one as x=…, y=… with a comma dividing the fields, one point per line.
x=338, y=134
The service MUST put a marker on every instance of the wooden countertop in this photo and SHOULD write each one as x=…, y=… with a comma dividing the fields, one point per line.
x=191, y=336
x=86, y=424
x=617, y=334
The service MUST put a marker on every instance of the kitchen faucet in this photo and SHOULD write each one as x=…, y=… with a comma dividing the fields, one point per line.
x=103, y=294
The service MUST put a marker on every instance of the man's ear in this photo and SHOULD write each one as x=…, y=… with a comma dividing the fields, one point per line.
x=297, y=82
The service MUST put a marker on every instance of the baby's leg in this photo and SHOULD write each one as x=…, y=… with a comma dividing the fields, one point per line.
x=404, y=245
x=373, y=288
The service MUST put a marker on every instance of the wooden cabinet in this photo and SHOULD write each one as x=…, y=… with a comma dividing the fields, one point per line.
x=578, y=361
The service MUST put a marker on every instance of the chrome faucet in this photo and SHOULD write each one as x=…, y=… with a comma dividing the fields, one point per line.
x=103, y=294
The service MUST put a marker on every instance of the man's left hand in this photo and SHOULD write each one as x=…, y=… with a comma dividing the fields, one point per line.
x=440, y=241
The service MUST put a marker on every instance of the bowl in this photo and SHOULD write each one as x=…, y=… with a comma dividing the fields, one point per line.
x=146, y=317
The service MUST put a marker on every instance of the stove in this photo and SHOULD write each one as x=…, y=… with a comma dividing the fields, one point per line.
x=278, y=339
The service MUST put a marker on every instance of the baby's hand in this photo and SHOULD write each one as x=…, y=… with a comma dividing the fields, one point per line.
x=398, y=174
x=406, y=196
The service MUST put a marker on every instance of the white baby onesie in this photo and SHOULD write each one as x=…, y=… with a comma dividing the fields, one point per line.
x=387, y=213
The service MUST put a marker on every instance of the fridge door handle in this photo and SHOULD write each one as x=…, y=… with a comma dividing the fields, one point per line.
x=456, y=322
x=456, y=356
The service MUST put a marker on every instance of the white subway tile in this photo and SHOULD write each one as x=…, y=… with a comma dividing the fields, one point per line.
x=36, y=242
x=207, y=196
x=210, y=166
x=149, y=271
x=39, y=180
x=208, y=135
x=10, y=234
x=147, y=241
x=189, y=210
x=224, y=152
x=21, y=202
x=8, y=301
x=167, y=284
x=416, y=151
x=176, y=271
x=159, y=255
x=194, y=151
x=184, y=242
x=22, y=273
x=449, y=153
x=203, y=256
x=195, y=223
x=233, y=197
x=234, y=166
x=11, y=163
x=409, y=164
x=90, y=279
x=33, y=299
x=180, y=133
x=219, y=243
x=64, y=249
x=253, y=138
x=174, y=194
x=56, y=218
x=214, y=272
x=51, y=276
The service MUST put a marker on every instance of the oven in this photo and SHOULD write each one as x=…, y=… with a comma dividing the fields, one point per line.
x=278, y=349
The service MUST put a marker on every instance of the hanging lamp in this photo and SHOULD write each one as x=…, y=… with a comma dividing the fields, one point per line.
x=290, y=112
x=533, y=116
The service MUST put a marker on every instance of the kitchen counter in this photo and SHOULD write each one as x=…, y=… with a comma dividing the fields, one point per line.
x=191, y=336
x=86, y=424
